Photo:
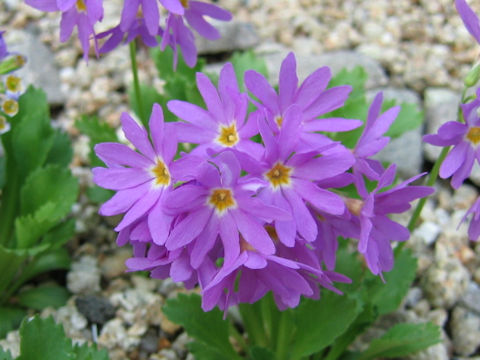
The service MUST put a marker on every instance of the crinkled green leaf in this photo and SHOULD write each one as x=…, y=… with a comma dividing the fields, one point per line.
x=60, y=234
x=319, y=322
x=61, y=152
x=30, y=228
x=243, y=61
x=5, y=355
x=386, y=297
x=10, y=319
x=11, y=261
x=50, y=184
x=356, y=78
x=99, y=195
x=402, y=340
x=43, y=339
x=206, y=327
x=164, y=63
x=40, y=297
x=86, y=352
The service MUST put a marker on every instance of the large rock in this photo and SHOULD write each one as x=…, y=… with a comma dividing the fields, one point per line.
x=409, y=162
x=465, y=328
x=40, y=69
x=337, y=60
x=235, y=36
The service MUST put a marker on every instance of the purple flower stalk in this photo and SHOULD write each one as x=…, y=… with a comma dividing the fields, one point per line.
x=465, y=139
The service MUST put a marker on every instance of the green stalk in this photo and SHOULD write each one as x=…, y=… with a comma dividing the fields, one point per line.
x=238, y=337
x=253, y=323
x=281, y=348
x=421, y=203
x=136, y=82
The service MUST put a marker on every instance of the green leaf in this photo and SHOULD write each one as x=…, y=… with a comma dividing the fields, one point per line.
x=150, y=96
x=50, y=184
x=5, y=355
x=50, y=260
x=99, y=195
x=98, y=132
x=164, y=63
x=386, y=297
x=43, y=339
x=202, y=351
x=30, y=228
x=261, y=353
x=10, y=319
x=60, y=234
x=43, y=296
x=402, y=340
x=3, y=177
x=356, y=78
x=10, y=264
x=61, y=152
x=206, y=327
x=86, y=352
x=243, y=61
x=319, y=322
x=409, y=118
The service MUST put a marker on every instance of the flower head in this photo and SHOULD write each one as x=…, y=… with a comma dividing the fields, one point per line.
x=465, y=139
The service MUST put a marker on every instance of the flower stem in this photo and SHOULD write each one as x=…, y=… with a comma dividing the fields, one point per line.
x=253, y=323
x=282, y=337
x=421, y=203
x=136, y=83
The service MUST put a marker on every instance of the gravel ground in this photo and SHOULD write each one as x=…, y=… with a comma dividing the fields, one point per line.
x=416, y=49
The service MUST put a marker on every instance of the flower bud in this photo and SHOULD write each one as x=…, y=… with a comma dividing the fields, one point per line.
x=472, y=77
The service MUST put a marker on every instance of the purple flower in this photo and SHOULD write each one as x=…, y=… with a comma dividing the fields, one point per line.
x=177, y=33
x=312, y=98
x=117, y=35
x=217, y=204
x=83, y=14
x=3, y=46
x=287, y=179
x=469, y=18
x=149, y=14
x=465, y=139
x=474, y=226
x=376, y=229
x=224, y=125
x=141, y=179
x=372, y=140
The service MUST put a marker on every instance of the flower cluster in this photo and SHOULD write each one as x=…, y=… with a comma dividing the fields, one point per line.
x=463, y=135
x=139, y=18
x=242, y=218
x=11, y=86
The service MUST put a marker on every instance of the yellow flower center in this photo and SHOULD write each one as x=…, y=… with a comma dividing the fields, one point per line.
x=228, y=135
x=185, y=3
x=279, y=120
x=161, y=174
x=279, y=175
x=10, y=107
x=81, y=5
x=354, y=205
x=221, y=200
x=13, y=83
x=474, y=135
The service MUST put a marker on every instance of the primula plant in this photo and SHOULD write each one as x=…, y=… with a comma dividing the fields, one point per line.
x=267, y=201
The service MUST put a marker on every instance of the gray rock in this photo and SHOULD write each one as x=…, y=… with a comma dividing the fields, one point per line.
x=84, y=276
x=409, y=163
x=40, y=69
x=96, y=309
x=235, y=35
x=414, y=295
x=428, y=232
x=445, y=283
x=465, y=329
x=336, y=60
x=471, y=299
x=440, y=106
x=435, y=352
